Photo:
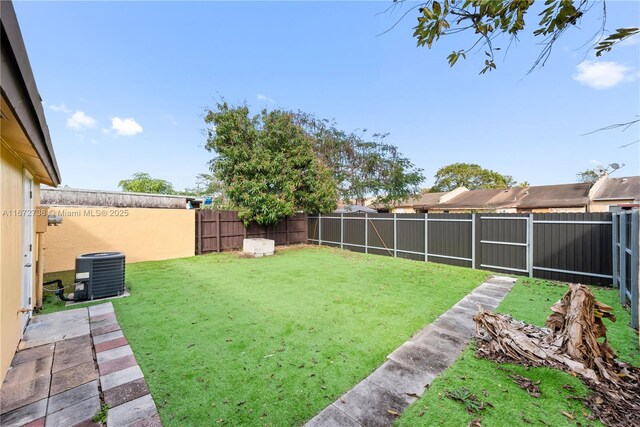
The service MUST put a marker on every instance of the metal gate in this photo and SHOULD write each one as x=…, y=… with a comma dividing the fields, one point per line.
x=505, y=243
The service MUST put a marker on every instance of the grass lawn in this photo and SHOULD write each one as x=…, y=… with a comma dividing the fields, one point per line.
x=528, y=301
x=272, y=341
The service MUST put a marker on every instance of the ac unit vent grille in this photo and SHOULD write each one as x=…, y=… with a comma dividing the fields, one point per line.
x=106, y=273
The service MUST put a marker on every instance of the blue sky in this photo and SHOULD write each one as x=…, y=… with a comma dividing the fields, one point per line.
x=125, y=86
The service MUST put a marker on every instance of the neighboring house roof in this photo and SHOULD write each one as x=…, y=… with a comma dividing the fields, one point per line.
x=625, y=188
x=120, y=199
x=423, y=199
x=354, y=209
x=22, y=112
x=556, y=196
x=483, y=199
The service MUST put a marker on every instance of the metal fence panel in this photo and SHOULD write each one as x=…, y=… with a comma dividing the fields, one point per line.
x=573, y=247
x=449, y=239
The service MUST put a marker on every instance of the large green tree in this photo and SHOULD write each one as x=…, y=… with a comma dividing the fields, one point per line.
x=207, y=185
x=142, y=182
x=362, y=167
x=267, y=164
x=471, y=176
x=496, y=24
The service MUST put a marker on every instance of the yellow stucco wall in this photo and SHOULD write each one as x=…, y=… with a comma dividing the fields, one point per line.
x=142, y=234
x=11, y=184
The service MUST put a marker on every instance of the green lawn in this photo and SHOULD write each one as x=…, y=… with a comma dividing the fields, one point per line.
x=272, y=341
x=528, y=301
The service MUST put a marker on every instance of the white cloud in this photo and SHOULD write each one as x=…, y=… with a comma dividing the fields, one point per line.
x=262, y=97
x=79, y=120
x=62, y=108
x=125, y=127
x=603, y=74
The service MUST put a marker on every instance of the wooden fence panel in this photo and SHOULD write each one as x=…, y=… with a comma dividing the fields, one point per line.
x=218, y=231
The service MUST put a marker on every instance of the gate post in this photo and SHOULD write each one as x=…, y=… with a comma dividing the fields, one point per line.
x=473, y=240
x=530, y=244
x=341, y=231
x=199, y=228
x=395, y=236
x=635, y=236
x=622, y=256
x=614, y=249
x=477, y=237
x=426, y=237
x=366, y=233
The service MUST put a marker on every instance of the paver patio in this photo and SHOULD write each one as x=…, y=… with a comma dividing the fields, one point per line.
x=70, y=363
x=378, y=399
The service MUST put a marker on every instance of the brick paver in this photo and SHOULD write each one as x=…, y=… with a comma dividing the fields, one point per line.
x=68, y=364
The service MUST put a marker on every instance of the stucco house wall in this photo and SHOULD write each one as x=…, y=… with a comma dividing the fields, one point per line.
x=26, y=155
x=143, y=234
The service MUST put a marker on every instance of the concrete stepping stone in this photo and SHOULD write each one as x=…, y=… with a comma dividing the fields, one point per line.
x=117, y=364
x=115, y=353
x=153, y=421
x=28, y=371
x=131, y=412
x=487, y=303
x=73, y=415
x=96, y=310
x=502, y=280
x=72, y=344
x=103, y=320
x=441, y=340
x=55, y=327
x=332, y=417
x=34, y=353
x=73, y=377
x=500, y=288
x=108, y=336
x=100, y=330
x=108, y=345
x=401, y=379
x=371, y=405
x=422, y=358
x=71, y=397
x=456, y=324
x=25, y=415
x=120, y=377
x=382, y=396
x=72, y=356
x=125, y=392
x=14, y=396
x=490, y=291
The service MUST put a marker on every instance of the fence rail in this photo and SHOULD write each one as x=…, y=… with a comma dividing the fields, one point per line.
x=218, y=231
x=591, y=248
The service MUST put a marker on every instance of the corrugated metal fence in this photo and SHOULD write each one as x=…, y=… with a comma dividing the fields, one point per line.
x=625, y=259
x=573, y=247
x=218, y=231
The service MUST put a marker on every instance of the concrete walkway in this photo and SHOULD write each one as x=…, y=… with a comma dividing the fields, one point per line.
x=70, y=363
x=378, y=399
